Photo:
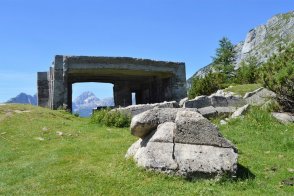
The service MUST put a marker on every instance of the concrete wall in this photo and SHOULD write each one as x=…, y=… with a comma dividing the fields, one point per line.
x=152, y=81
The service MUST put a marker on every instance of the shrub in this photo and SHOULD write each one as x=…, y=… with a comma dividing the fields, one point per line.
x=278, y=76
x=248, y=73
x=111, y=118
x=207, y=85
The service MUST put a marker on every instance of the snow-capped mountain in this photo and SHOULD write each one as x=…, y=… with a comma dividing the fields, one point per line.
x=87, y=101
x=24, y=99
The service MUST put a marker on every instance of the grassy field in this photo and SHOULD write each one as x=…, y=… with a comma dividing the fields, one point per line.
x=44, y=152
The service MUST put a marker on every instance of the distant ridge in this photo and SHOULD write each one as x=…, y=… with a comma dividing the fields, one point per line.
x=24, y=98
x=82, y=105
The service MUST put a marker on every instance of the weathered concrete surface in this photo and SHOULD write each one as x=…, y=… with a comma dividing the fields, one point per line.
x=151, y=81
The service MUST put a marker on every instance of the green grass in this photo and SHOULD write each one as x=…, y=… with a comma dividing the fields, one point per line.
x=243, y=89
x=88, y=159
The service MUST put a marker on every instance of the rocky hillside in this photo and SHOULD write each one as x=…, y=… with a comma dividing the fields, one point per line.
x=263, y=41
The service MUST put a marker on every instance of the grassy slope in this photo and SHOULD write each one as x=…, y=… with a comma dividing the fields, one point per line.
x=243, y=88
x=89, y=159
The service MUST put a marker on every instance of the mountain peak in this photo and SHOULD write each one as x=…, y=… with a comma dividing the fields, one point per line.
x=24, y=98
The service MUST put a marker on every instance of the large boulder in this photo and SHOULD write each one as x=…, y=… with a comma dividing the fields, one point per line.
x=185, y=143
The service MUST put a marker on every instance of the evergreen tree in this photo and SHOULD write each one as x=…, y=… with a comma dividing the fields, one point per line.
x=224, y=58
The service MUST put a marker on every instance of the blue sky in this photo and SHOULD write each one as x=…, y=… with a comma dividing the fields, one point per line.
x=33, y=31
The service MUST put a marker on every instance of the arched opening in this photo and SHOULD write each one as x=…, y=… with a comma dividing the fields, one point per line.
x=87, y=96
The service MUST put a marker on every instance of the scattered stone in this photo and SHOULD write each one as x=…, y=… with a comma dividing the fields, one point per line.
x=39, y=138
x=235, y=101
x=219, y=101
x=259, y=96
x=183, y=101
x=208, y=111
x=283, y=117
x=198, y=102
x=288, y=182
x=223, y=122
x=21, y=111
x=290, y=170
x=225, y=110
x=240, y=111
x=3, y=133
x=45, y=129
x=59, y=133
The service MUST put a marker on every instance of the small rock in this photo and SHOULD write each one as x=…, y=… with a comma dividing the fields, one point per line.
x=45, y=129
x=283, y=117
x=223, y=122
x=183, y=101
x=240, y=111
x=39, y=138
x=290, y=170
x=59, y=133
x=288, y=182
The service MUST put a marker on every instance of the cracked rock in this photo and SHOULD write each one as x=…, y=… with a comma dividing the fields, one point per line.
x=183, y=143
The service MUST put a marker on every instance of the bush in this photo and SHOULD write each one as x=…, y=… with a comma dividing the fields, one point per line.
x=278, y=76
x=111, y=118
x=207, y=85
x=248, y=73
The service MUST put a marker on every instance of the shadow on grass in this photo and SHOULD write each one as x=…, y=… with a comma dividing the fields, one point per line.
x=244, y=173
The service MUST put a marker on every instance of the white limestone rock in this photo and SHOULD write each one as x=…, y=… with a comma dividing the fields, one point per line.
x=284, y=117
x=240, y=111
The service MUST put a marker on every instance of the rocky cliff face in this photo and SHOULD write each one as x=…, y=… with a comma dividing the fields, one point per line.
x=263, y=41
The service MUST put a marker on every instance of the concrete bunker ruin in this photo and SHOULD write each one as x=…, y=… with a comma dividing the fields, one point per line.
x=151, y=81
